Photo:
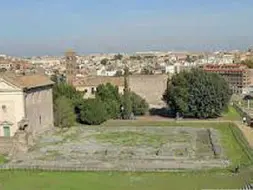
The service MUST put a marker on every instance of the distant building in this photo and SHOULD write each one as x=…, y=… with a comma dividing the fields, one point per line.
x=236, y=75
x=89, y=84
x=25, y=98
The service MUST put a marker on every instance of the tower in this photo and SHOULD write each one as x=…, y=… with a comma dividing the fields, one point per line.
x=70, y=60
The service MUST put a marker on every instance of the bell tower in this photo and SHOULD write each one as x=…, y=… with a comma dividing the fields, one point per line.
x=70, y=60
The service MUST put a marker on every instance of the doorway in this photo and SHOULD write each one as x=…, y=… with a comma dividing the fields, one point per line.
x=6, y=130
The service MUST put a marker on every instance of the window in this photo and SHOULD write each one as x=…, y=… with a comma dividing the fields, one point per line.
x=93, y=90
x=85, y=90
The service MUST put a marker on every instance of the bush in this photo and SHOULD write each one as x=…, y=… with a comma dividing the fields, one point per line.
x=110, y=96
x=64, y=115
x=93, y=112
x=139, y=104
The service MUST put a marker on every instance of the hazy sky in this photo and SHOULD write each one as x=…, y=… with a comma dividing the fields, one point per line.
x=37, y=27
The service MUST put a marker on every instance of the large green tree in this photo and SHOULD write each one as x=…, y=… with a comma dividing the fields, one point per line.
x=197, y=94
x=93, y=112
x=64, y=115
x=110, y=96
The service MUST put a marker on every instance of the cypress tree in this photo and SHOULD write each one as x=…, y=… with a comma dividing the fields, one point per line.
x=127, y=96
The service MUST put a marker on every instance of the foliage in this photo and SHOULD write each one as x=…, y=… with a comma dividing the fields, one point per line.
x=3, y=159
x=139, y=104
x=57, y=78
x=197, y=94
x=127, y=105
x=118, y=57
x=107, y=92
x=248, y=63
x=110, y=96
x=93, y=112
x=64, y=89
x=64, y=115
x=135, y=57
x=104, y=61
x=2, y=70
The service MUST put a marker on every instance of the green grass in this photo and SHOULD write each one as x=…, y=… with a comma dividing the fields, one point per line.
x=16, y=180
x=233, y=148
x=131, y=138
x=231, y=114
x=2, y=159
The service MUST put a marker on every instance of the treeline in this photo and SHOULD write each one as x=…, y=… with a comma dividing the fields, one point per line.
x=70, y=106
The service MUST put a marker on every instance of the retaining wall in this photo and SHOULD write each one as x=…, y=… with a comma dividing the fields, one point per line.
x=5, y=144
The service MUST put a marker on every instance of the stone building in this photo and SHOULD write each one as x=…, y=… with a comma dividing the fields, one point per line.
x=25, y=102
x=89, y=84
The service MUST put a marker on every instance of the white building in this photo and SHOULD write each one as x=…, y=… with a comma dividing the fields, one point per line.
x=25, y=98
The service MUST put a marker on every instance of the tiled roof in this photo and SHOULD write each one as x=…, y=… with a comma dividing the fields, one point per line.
x=97, y=80
x=28, y=81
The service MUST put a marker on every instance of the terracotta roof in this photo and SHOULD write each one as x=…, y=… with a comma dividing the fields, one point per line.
x=28, y=81
x=97, y=80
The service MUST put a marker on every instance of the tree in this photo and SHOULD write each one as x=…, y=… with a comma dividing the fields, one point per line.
x=248, y=63
x=197, y=94
x=2, y=70
x=104, y=61
x=188, y=59
x=126, y=96
x=110, y=96
x=93, y=112
x=64, y=89
x=139, y=104
x=64, y=115
x=118, y=57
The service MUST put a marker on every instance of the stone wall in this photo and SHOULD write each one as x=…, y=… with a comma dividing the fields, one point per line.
x=150, y=87
x=39, y=109
x=5, y=145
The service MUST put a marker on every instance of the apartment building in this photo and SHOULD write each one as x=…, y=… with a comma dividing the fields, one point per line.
x=236, y=75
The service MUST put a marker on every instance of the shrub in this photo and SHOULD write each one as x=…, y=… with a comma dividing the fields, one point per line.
x=93, y=112
x=64, y=115
x=139, y=104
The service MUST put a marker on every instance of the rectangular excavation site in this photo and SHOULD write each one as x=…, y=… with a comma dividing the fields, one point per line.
x=127, y=149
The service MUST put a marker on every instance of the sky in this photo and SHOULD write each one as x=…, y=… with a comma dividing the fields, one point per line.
x=49, y=27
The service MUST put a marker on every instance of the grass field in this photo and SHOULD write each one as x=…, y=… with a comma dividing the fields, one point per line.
x=2, y=159
x=231, y=114
x=16, y=180
x=121, y=181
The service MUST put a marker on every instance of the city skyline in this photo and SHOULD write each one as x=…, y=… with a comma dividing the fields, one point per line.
x=45, y=27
